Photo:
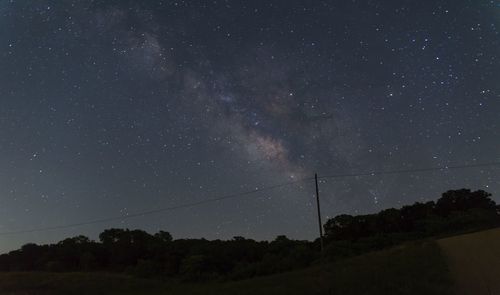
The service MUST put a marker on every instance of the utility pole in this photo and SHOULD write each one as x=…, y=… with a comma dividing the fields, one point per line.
x=319, y=213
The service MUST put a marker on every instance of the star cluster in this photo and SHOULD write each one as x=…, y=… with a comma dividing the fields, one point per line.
x=114, y=107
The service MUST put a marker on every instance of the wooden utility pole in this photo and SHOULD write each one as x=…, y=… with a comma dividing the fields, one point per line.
x=319, y=213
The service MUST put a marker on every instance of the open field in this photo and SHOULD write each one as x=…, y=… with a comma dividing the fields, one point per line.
x=396, y=271
x=474, y=261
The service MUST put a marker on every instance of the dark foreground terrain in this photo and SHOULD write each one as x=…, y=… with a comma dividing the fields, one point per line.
x=474, y=261
x=464, y=264
x=395, y=251
x=414, y=268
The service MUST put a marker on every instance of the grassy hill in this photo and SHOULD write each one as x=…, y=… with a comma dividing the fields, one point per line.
x=474, y=260
x=416, y=268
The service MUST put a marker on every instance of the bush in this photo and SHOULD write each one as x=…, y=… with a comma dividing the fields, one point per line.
x=54, y=266
x=145, y=269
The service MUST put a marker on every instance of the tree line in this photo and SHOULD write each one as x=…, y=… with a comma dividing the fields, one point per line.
x=139, y=253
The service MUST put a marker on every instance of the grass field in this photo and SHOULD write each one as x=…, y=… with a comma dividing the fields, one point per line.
x=474, y=261
x=401, y=270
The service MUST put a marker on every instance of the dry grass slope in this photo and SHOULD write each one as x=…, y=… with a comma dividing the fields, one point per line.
x=474, y=260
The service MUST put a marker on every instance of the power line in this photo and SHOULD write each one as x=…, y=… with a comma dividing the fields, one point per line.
x=155, y=211
x=242, y=194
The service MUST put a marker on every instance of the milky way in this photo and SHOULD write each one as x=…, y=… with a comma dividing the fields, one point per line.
x=110, y=108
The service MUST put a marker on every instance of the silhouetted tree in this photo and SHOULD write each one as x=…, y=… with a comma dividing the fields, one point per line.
x=464, y=200
x=142, y=254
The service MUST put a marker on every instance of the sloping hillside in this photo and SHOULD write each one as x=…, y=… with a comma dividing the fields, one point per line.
x=474, y=261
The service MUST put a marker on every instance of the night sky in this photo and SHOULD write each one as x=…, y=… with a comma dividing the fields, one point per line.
x=111, y=108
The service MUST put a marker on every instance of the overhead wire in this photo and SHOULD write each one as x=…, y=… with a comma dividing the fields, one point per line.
x=243, y=194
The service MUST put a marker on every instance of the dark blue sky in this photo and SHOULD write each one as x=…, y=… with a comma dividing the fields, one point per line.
x=114, y=107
